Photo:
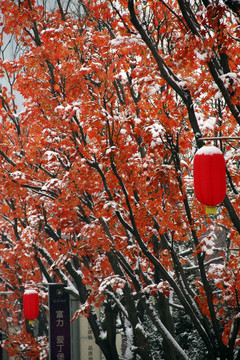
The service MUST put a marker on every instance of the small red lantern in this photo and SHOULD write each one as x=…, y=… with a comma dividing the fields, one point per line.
x=30, y=305
x=209, y=173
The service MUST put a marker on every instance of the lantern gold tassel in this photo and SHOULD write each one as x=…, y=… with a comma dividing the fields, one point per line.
x=31, y=322
x=211, y=210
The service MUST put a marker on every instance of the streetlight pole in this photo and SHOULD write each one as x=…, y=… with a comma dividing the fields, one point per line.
x=230, y=138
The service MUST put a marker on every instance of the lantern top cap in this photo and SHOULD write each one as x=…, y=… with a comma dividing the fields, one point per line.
x=209, y=150
x=30, y=291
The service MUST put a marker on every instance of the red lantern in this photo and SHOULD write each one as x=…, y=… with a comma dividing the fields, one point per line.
x=209, y=173
x=30, y=304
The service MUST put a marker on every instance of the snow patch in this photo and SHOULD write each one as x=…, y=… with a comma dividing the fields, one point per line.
x=208, y=243
x=202, y=57
x=30, y=291
x=130, y=40
x=209, y=150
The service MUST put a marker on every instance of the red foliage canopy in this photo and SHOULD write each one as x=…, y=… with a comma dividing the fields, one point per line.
x=96, y=185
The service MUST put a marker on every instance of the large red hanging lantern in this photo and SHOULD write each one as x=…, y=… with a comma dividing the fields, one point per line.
x=209, y=174
x=31, y=304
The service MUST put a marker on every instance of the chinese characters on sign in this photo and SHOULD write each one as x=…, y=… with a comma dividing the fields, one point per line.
x=60, y=348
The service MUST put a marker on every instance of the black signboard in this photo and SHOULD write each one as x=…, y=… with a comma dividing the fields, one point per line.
x=0, y=346
x=60, y=347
